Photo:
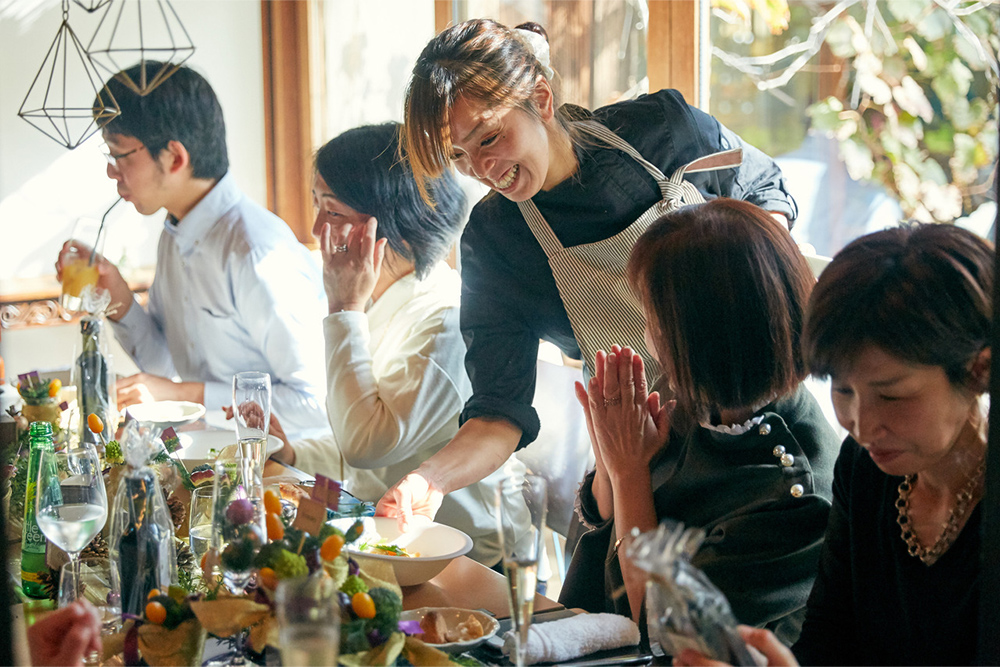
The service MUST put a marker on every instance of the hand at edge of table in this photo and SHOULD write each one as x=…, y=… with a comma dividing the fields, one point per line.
x=762, y=643
x=145, y=387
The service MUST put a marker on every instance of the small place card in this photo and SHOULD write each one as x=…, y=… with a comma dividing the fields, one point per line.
x=327, y=492
x=311, y=516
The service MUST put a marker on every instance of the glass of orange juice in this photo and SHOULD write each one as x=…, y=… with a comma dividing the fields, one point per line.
x=78, y=272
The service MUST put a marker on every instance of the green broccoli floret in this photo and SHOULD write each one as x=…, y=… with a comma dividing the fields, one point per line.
x=388, y=607
x=353, y=585
x=113, y=453
x=268, y=554
x=288, y=565
x=353, y=637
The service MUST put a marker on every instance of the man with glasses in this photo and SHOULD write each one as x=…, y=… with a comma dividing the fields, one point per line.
x=234, y=289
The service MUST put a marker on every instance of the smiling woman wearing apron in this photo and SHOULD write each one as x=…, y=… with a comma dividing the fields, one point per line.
x=543, y=256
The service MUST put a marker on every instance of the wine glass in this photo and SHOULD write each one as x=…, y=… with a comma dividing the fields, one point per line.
x=521, y=542
x=252, y=412
x=71, y=505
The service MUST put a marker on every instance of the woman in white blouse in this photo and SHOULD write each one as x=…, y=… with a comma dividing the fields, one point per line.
x=394, y=352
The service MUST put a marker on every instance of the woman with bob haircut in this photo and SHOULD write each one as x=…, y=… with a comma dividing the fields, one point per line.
x=394, y=350
x=901, y=322
x=746, y=454
x=543, y=255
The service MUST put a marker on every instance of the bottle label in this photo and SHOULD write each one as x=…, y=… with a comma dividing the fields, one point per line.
x=32, y=539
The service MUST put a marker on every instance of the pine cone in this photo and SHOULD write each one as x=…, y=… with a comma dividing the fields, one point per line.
x=185, y=559
x=49, y=579
x=178, y=513
x=98, y=548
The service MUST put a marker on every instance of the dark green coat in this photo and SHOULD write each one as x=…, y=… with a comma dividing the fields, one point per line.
x=762, y=542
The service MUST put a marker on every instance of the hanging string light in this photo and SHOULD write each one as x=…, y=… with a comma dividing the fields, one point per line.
x=147, y=32
x=68, y=100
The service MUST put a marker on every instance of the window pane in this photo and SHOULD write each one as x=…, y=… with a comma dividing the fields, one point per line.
x=875, y=111
x=598, y=47
x=362, y=60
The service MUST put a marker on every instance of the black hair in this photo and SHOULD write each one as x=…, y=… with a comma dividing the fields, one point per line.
x=364, y=170
x=182, y=108
x=920, y=292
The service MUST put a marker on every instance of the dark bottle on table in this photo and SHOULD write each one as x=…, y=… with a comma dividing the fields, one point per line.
x=93, y=380
x=142, y=539
x=32, y=540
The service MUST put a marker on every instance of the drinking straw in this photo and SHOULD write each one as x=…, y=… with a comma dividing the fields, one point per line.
x=100, y=230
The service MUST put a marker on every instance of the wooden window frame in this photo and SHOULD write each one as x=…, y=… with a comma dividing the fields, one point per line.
x=286, y=34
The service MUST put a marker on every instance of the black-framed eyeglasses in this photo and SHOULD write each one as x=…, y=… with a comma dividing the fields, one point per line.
x=113, y=158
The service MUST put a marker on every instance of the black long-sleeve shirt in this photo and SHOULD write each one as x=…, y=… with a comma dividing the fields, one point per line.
x=509, y=297
x=873, y=603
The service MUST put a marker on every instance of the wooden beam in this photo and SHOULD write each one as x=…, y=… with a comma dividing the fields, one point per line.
x=288, y=112
x=673, y=47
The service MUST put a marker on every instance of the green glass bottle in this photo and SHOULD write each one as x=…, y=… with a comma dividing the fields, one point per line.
x=32, y=540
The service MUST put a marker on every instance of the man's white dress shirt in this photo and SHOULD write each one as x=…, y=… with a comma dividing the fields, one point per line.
x=235, y=291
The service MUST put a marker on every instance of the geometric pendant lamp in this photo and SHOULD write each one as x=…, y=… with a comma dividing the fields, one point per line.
x=91, y=5
x=144, y=32
x=68, y=100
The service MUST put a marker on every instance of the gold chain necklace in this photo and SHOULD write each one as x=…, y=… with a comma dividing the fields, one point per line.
x=962, y=508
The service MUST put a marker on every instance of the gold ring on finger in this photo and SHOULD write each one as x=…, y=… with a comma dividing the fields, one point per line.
x=612, y=401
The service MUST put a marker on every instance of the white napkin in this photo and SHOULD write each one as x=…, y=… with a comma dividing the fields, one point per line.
x=569, y=638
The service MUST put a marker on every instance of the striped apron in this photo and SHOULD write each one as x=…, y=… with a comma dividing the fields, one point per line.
x=591, y=277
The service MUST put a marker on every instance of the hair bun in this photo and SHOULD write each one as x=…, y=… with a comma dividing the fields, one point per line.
x=533, y=27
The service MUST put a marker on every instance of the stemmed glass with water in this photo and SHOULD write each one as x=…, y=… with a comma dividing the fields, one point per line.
x=522, y=547
x=71, y=505
x=252, y=413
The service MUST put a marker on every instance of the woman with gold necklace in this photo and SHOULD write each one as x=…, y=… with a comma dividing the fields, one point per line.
x=901, y=322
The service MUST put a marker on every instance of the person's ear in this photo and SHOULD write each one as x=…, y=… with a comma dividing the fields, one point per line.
x=979, y=371
x=175, y=157
x=543, y=99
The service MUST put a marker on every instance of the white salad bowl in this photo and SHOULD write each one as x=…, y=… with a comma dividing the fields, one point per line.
x=436, y=544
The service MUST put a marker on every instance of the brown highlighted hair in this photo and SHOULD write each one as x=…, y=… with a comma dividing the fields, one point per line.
x=922, y=293
x=480, y=60
x=724, y=288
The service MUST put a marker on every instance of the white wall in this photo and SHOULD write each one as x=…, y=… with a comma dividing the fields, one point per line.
x=44, y=187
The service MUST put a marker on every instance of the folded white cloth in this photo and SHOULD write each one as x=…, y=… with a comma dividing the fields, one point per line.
x=569, y=638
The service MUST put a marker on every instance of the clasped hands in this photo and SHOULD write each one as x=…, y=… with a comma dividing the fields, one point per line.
x=627, y=424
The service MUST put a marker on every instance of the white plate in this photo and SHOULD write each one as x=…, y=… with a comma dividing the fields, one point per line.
x=167, y=413
x=197, y=445
x=452, y=617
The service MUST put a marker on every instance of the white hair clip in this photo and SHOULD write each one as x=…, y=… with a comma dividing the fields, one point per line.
x=539, y=47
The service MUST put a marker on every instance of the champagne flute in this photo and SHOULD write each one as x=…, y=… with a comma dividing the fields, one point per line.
x=71, y=505
x=238, y=530
x=238, y=526
x=521, y=542
x=252, y=412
